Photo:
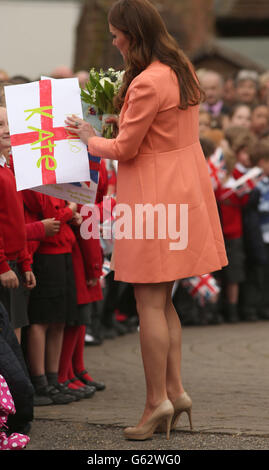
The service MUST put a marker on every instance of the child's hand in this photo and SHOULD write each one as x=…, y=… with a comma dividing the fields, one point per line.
x=29, y=280
x=77, y=219
x=52, y=226
x=73, y=206
x=9, y=280
x=92, y=282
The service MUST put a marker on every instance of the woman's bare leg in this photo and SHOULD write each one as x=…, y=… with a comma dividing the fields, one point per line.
x=154, y=341
x=173, y=374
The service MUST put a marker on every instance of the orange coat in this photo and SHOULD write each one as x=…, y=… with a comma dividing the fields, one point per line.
x=161, y=162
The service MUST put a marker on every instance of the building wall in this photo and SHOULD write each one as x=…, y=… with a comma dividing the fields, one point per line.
x=37, y=36
x=191, y=22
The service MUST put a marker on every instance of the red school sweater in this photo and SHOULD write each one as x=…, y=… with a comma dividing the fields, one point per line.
x=87, y=264
x=41, y=206
x=32, y=212
x=13, y=244
x=35, y=229
x=230, y=211
x=87, y=253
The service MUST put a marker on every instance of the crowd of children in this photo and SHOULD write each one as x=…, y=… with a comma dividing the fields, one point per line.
x=54, y=298
x=235, y=126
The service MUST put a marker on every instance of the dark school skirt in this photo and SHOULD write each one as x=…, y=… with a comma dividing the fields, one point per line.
x=15, y=300
x=83, y=315
x=53, y=300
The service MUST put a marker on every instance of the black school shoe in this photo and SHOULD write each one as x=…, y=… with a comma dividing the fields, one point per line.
x=52, y=393
x=67, y=391
x=86, y=389
x=76, y=393
x=40, y=399
x=79, y=393
x=98, y=385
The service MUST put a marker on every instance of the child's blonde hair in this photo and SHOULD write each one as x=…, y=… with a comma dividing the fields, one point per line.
x=2, y=94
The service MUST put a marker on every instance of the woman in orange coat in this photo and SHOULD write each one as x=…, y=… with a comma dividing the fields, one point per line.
x=160, y=163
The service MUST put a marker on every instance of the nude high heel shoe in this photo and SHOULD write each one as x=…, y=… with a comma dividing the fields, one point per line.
x=162, y=415
x=181, y=404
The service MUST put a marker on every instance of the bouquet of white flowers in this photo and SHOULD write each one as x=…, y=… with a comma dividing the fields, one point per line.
x=97, y=98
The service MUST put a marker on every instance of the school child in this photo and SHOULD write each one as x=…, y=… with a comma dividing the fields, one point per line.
x=205, y=122
x=239, y=116
x=15, y=268
x=260, y=119
x=87, y=264
x=37, y=229
x=230, y=205
x=109, y=327
x=53, y=302
x=255, y=297
x=245, y=143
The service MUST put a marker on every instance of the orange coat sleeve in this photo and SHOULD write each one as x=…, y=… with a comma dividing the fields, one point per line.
x=142, y=107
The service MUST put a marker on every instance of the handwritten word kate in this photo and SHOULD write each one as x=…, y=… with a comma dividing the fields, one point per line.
x=45, y=138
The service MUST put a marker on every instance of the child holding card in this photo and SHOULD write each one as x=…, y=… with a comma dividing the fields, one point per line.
x=53, y=302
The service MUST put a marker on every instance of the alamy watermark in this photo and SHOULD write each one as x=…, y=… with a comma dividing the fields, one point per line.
x=141, y=221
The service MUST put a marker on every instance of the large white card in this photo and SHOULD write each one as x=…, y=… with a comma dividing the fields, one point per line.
x=44, y=152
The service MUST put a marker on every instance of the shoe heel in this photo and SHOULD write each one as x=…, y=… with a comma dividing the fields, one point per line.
x=168, y=426
x=177, y=416
x=190, y=418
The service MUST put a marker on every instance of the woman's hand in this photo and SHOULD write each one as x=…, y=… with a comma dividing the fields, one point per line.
x=81, y=128
x=114, y=120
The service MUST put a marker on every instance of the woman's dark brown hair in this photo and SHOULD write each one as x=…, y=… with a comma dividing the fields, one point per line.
x=149, y=40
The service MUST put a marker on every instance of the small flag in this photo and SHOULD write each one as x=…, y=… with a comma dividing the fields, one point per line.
x=203, y=288
x=216, y=167
x=105, y=268
x=245, y=184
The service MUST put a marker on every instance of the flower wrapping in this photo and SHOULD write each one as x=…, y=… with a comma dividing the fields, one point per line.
x=98, y=99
